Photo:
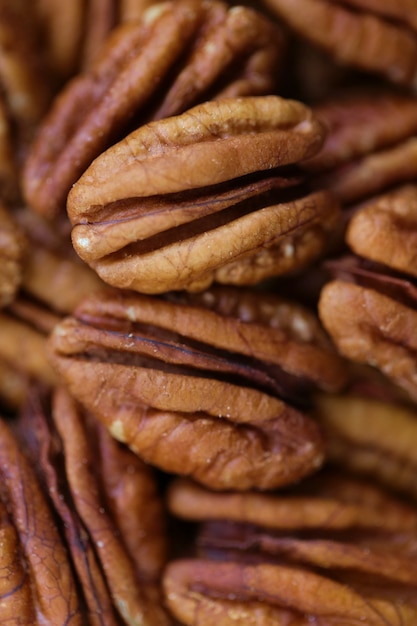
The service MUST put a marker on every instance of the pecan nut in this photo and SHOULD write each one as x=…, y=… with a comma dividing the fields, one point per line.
x=371, y=143
x=332, y=550
x=384, y=450
x=12, y=249
x=204, y=196
x=107, y=508
x=204, y=387
x=179, y=54
x=37, y=584
x=377, y=37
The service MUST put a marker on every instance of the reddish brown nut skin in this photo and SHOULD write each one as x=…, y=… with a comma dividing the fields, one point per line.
x=322, y=551
x=107, y=504
x=359, y=34
x=37, y=583
x=178, y=54
x=12, y=249
x=173, y=381
x=203, y=197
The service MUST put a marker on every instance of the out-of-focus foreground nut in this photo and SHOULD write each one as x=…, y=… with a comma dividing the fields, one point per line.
x=330, y=551
x=379, y=37
x=204, y=196
x=12, y=248
x=372, y=437
x=205, y=388
x=178, y=54
x=109, y=511
x=37, y=583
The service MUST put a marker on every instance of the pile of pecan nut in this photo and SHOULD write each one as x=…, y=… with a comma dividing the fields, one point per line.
x=208, y=313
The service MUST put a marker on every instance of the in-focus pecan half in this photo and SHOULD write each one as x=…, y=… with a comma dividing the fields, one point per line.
x=180, y=53
x=371, y=143
x=37, y=583
x=12, y=248
x=378, y=37
x=204, y=196
x=332, y=551
x=206, y=388
x=371, y=437
x=108, y=510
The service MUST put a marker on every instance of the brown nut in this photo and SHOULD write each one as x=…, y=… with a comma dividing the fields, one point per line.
x=12, y=248
x=331, y=551
x=204, y=197
x=107, y=507
x=377, y=37
x=371, y=327
x=179, y=54
x=371, y=143
x=198, y=389
x=384, y=230
x=371, y=437
x=37, y=583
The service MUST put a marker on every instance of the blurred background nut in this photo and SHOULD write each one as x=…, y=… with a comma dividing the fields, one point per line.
x=209, y=195
x=376, y=37
x=205, y=386
x=12, y=248
x=37, y=582
x=108, y=510
x=179, y=53
x=332, y=550
x=371, y=143
x=369, y=308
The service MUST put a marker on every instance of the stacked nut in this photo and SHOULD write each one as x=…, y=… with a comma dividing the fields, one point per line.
x=208, y=372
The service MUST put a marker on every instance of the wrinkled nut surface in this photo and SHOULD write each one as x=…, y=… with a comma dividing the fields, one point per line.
x=371, y=437
x=385, y=230
x=199, y=392
x=37, y=583
x=179, y=53
x=371, y=327
x=371, y=143
x=12, y=249
x=378, y=37
x=204, y=197
x=107, y=504
x=331, y=551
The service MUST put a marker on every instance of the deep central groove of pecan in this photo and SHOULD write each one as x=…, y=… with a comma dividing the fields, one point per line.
x=196, y=390
x=207, y=195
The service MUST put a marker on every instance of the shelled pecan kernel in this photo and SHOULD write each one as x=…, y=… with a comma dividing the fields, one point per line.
x=12, y=249
x=196, y=390
x=331, y=550
x=205, y=196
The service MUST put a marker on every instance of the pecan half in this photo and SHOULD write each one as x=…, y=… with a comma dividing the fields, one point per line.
x=332, y=551
x=107, y=508
x=204, y=197
x=12, y=248
x=37, y=583
x=371, y=143
x=179, y=54
x=372, y=437
x=378, y=37
x=200, y=391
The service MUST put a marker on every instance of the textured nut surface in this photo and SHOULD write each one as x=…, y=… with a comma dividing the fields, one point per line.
x=169, y=376
x=384, y=230
x=203, y=196
x=332, y=551
x=107, y=504
x=371, y=437
x=37, y=584
x=178, y=54
x=12, y=248
x=370, y=327
x=377, y=37
x=370, y=146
